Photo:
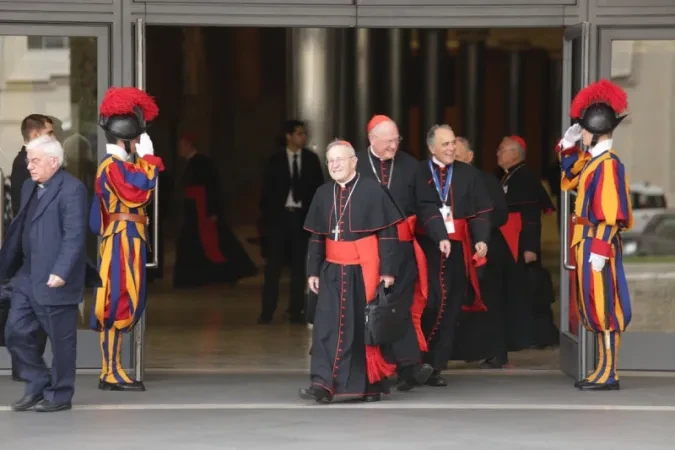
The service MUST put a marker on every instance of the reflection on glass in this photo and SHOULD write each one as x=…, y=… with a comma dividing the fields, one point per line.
x=645, y=142
x=55, y=76
x=571, y=325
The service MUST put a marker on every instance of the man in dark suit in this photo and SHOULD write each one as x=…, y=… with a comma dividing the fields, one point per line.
x=32, y=127
x=292, y=176
x=45, y=253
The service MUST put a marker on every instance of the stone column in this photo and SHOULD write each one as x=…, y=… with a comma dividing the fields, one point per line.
x=344, y=71
x=472, y=68
x=396, y=100
x=515, y=89
x=363, y=85
x=433, y=54
x=311, y=52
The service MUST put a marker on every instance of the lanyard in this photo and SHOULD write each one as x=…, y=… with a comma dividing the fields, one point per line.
x=372, y=166
x=437, y=183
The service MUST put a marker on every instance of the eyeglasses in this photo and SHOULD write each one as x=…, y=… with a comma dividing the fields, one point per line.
x=329, y=162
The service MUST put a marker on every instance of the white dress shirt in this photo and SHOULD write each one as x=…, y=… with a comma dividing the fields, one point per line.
x=290, y=203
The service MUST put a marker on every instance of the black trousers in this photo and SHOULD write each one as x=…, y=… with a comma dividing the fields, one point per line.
x=42, y=345
x=286, y=243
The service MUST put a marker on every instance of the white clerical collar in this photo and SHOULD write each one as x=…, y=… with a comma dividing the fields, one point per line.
x=118, y=151
x=372, y=152
x=437, y=162
x=347, y=182
x=600, y=148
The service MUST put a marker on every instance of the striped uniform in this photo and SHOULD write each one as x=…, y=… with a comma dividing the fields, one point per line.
x=603, y=209
x=121, y=187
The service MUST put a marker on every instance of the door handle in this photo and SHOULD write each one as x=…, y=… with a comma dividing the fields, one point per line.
x=565, y=230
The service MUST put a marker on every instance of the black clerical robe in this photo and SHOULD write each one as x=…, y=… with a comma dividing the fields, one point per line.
x=207, y=251
x=505, y=327
x=354, y=241
x=527, y=200
x=453, y=282
x=397, y=175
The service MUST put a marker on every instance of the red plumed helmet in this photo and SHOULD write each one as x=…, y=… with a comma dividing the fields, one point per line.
x=124, y=100
x=599, y=106
x=126, y=111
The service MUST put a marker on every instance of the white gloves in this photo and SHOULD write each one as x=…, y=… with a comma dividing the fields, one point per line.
x=145, y=147
x=572, y=135
x=597, y=262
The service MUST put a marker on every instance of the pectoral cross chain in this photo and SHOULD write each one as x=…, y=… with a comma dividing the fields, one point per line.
x=337, y=232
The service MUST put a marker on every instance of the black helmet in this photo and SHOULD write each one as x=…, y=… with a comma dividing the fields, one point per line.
x=599, y=118
x=125, y=112
x=124, y=127
x=598, y=107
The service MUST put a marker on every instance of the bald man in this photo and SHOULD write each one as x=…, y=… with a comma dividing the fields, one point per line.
x=527, y=201
x=394, y=170
x=489, y=337
x=353, y=248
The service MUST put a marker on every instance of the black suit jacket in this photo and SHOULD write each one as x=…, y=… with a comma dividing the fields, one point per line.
x=277, y=184
x=19, y=175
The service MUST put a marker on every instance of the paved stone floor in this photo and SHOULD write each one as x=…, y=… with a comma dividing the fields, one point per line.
x=219, y=381
x=533, y=410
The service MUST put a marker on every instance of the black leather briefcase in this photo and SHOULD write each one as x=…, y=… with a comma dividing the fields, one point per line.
x=385, y=318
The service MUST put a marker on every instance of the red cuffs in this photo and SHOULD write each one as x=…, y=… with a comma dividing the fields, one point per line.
x=155, y=161
x=600, y=247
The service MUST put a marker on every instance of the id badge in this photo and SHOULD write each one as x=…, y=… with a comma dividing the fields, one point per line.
x=449, y=221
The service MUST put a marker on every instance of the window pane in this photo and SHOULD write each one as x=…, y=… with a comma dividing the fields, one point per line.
x=645, y=142
x=60, y=84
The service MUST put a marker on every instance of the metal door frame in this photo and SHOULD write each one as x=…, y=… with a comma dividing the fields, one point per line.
x=576, y=352
x=88, y=341
x=640, y=350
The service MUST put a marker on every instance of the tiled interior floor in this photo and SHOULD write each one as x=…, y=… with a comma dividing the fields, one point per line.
x=215, y=328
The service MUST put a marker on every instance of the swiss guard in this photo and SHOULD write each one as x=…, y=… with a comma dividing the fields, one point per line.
x=125, y=181
x=602, y=210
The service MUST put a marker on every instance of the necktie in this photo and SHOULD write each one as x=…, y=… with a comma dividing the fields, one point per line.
x=295, y=180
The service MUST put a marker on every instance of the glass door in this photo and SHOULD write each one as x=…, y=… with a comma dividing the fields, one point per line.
x=61, y=72
x=642, y=62
x=576, y=347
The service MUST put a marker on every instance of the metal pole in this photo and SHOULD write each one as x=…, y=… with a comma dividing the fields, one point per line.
x=2, y=206
x=139, y=329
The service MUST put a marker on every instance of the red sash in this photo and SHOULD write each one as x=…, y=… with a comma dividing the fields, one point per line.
x=421, y=292
x=364, y=252
x=471, y=261
x=511, y=232
x=208, y=231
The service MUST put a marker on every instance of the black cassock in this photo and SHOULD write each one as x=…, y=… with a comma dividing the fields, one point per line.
x=361, y=209
x=450, y=286
x=483, y=336
x=398, y=176
x=527, y=200
x=207, y=251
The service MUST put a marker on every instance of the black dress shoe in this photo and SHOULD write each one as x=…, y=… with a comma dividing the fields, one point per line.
x=16, y=377
x=315, y=393
x=436, y=380
x=47, y=406
x=372, y=397
x=27, y=402
x=136, y=386
x=264, y=320
x=420, y=375
x=578, y=384
x=613, y=386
